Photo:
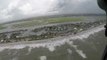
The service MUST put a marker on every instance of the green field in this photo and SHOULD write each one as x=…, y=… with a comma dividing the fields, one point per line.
x=2, y=27
x=36, y=22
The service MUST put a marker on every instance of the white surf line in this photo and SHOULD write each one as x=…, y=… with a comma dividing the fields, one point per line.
x=43, y=58
x=51, y=44
x=86, y=34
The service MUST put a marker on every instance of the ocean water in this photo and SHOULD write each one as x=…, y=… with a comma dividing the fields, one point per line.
x=87, y=45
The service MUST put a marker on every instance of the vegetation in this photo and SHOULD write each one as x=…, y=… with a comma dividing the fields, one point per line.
x=47, y=32
x=63, y=19
x=46, y=21
x=2, y=27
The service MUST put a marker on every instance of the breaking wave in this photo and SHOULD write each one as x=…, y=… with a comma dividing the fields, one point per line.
x=53, y=43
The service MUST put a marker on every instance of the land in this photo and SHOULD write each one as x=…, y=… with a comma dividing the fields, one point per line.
x=45, y=21
x=45, y=28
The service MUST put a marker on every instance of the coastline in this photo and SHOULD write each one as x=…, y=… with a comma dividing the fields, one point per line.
x=51, y=43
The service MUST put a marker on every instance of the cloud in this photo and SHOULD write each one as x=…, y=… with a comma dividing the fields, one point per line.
x=80, y=6
x=15, y=9
x=4, y=13
x=37, y=6
x=26, y=9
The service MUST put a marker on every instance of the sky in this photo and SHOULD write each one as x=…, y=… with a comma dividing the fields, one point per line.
x=15, y=9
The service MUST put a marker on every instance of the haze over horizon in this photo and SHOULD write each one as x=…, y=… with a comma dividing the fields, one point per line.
x=15, y=9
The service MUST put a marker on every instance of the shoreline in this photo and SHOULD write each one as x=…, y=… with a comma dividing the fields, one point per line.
x=47, y=32
x=77, y=36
